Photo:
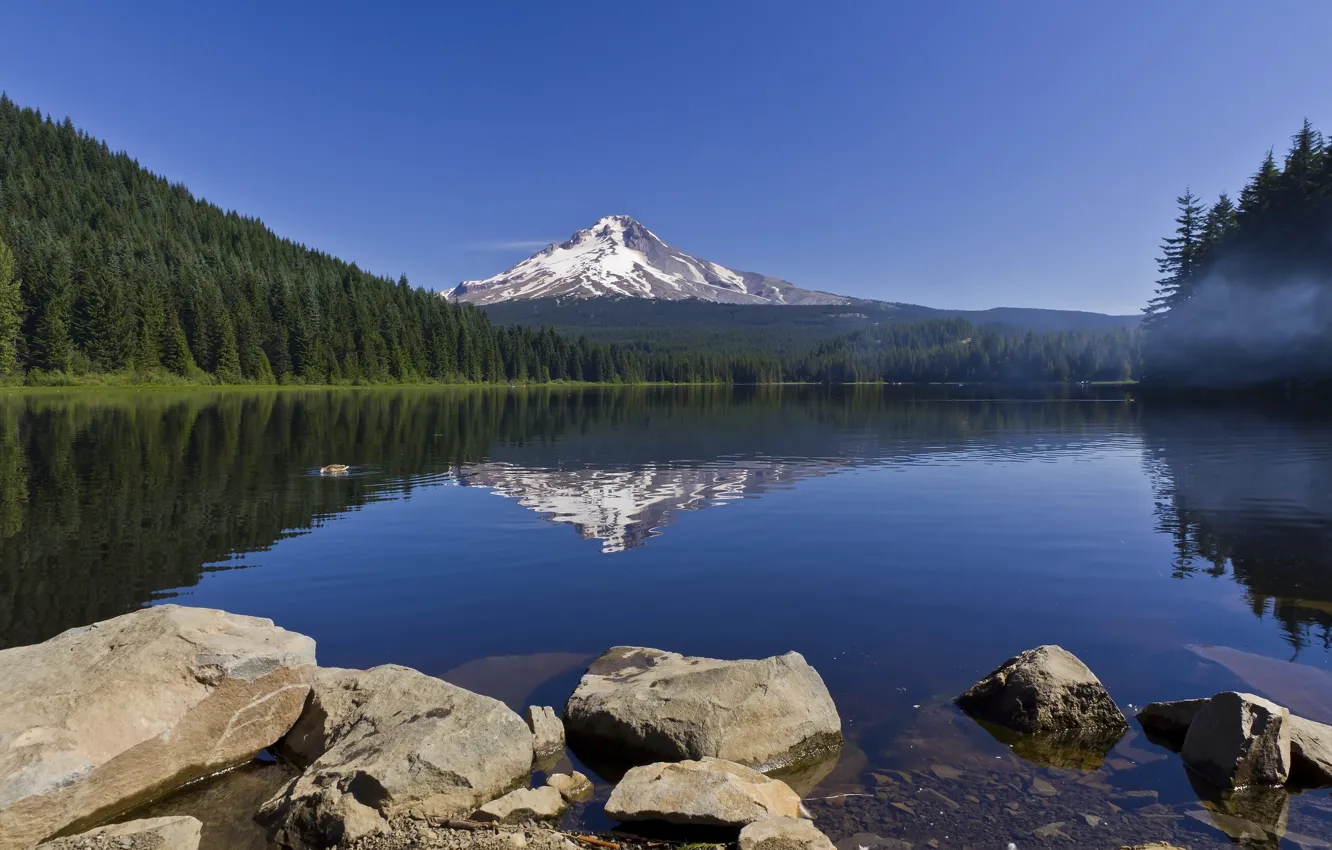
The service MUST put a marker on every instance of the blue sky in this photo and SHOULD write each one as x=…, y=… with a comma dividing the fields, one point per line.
x=953, y=154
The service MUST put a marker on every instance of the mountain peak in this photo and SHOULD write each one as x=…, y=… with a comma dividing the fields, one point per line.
x=619, y=257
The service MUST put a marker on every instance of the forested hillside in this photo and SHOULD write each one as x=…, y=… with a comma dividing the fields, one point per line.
x=115, y=270
x=1245, y=296
x=116, y=275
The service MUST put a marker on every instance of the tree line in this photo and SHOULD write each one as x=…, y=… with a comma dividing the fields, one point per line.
x=110, y=273
x=1245, y=293
x=108, y=268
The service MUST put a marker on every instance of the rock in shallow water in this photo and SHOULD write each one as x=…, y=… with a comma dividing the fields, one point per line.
x=783, y=834
x=645, y=704
x=391, y=740
x=99, y=718
x=707, y=792
x=178, y=833
x=1170, y=718
x=1044, y=690
x=547, y=732
x=1239, y=739
x=574, y=787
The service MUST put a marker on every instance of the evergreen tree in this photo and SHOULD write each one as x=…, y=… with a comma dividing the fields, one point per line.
x=1258, y=193
x=1179, y=258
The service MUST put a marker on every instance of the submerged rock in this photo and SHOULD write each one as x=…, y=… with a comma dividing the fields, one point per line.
x=387, y=741
x=522, y=805
x=783, y=834
x=1239, y=739
x=1310, y=753
x=707, y=792
x=100, y=718
x=1044, y=690
x=178, y=833
x=646, y=704
x=547, y=732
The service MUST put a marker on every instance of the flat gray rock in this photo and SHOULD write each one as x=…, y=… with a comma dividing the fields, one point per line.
x=523, y=805
x=176, y=833
x=707, y=792
x=389, y=741
x=783, y=834
x=1044, y=690
x=646, y=704
x=1239, y=740
x=100, y=718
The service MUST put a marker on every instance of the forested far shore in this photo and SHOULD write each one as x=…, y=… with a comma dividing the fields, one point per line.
x=110, y=274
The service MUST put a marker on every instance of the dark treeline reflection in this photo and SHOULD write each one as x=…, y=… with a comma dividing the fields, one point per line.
x=1245, y=493
x=108, y=500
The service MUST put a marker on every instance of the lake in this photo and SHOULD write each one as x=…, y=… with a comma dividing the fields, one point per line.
x=906, y=541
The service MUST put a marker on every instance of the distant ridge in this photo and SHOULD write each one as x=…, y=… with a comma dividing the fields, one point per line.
x=622, y=319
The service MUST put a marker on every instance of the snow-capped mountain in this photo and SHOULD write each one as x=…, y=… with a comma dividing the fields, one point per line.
x=617, y=256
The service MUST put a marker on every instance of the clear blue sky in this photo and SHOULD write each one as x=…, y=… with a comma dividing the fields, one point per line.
x=956, y=154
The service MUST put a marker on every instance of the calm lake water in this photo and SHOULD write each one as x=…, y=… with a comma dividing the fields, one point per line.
x=905, y=541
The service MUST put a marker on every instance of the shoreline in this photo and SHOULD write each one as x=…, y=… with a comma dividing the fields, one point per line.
x=24, y=389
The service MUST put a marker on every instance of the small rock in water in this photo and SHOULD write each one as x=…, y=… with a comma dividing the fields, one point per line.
x=573, y=787
x=1046, y=689
x=1170, y=718
x=547, y=732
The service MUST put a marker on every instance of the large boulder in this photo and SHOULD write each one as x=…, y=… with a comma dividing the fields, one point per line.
x=387, y=741
x=103, y=717
x=783, y=834
x=1239, y=740
x=707, y=792
x=1310, y=753
x=177, y=833
x=1044, y=690
x=647, y=705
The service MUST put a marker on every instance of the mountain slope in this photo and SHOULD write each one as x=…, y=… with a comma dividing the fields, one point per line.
x=619, y=257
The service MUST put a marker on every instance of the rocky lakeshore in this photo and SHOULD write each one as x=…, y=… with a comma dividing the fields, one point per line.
x=116, y=734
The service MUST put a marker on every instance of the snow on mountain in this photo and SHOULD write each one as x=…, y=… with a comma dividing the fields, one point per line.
x=619, y=257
